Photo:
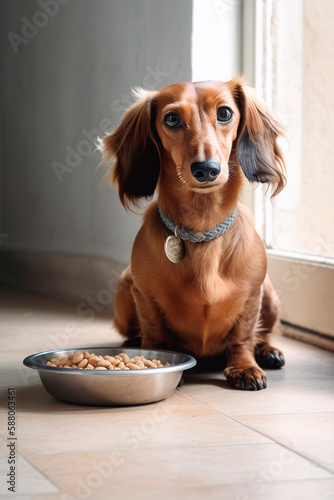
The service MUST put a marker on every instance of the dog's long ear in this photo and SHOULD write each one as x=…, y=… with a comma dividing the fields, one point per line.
x=258, y=153
x=137, y=162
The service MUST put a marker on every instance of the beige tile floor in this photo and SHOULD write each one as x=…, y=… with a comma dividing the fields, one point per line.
x=206, y=441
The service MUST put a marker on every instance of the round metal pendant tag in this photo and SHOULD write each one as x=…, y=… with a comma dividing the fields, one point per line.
x=174, y=249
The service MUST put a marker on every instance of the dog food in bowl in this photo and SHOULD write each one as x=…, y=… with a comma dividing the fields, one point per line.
x=100, y=386
x=121, y=361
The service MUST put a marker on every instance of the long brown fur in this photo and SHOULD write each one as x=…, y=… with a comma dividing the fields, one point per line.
x=218, y=297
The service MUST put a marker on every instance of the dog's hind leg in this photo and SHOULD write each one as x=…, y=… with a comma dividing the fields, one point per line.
x=125, y=315
x=266, y=355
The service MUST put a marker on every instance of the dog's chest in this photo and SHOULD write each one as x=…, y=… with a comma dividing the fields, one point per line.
x=200, y=318
x=201, y=290
x=205, y=272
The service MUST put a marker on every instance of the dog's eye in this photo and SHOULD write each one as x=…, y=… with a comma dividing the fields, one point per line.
x=224, y=114
x=172, y=120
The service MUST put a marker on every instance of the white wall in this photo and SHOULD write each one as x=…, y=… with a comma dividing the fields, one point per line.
x=72, y=73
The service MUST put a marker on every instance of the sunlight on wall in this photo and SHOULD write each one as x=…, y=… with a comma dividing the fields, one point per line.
x=216, y=47
x=304, y=212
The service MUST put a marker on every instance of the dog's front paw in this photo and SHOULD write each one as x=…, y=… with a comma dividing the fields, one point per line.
x=269, y=357
x=251, y=378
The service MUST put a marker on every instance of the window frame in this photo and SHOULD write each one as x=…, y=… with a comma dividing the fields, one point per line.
x=304, y=282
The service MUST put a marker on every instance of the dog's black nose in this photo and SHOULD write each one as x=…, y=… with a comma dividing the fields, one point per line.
x=207, y=170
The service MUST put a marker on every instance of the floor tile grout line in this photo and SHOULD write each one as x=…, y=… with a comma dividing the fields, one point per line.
x=228, y=416
x=22, y=455
x=289, y=448
x=256, y=414
x=283, y=414
x=231, y=417
x=42, y=474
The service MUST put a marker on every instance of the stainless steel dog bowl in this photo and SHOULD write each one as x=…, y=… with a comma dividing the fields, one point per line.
x=111, y=388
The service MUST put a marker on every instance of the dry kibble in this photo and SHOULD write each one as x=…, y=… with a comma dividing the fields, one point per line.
x=77, y=358
x=121, y=361
x=93, y=360
x=50, y=364
x=115, y=362
x=103, y=362
x=83, y=363
x=125, y=357
x=132, y=366
x=139, y=363
x=56, y=361
x=74, y=354
x=149, y=364
x=157, y=362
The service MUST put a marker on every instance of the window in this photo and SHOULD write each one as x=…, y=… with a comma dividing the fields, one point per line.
x=288, y=57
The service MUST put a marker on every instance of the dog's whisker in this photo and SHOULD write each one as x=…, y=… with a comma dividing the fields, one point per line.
x=172, y=181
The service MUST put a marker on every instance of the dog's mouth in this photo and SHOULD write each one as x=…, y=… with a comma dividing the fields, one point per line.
x=204, y=187
x=207, y=187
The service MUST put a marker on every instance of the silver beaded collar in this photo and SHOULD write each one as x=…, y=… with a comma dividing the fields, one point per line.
x=185, y=233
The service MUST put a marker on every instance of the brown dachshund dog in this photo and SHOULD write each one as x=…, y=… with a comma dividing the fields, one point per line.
x=197, y=280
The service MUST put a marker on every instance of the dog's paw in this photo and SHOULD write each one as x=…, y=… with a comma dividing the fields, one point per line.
x=269, y=357
x=249, y=379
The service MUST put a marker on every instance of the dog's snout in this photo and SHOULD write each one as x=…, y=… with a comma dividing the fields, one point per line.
x=207, y=170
